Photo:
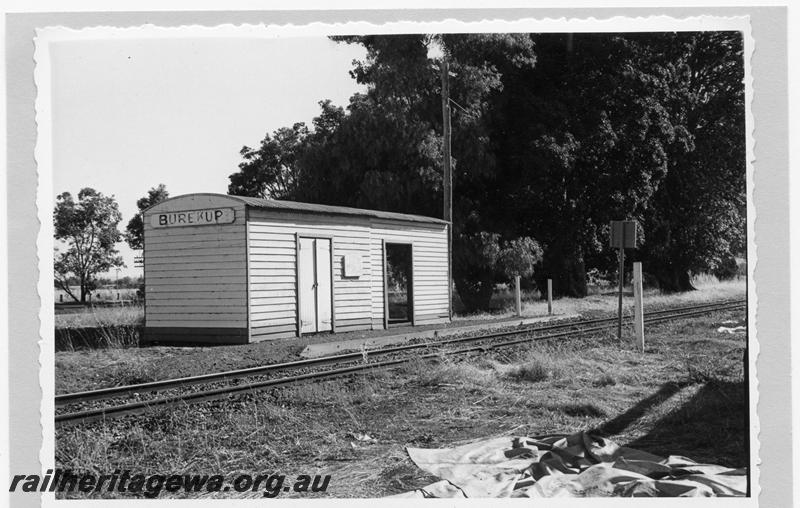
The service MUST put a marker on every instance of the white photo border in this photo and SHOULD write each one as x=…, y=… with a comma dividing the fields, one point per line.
x=43, y=154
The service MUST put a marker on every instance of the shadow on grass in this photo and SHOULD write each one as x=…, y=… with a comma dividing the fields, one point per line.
x=708, y=428
x=621, y=422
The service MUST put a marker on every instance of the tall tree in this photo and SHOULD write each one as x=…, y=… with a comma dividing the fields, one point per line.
x=88, y=231
x=480, y=65
x=696, y=219
x=554, y=135
x=582, y=140
x=382, y=152
x=134, y=232
x=271, y=170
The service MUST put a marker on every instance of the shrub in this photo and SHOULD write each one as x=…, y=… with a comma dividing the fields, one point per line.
x=481, y=260
x=726, y=269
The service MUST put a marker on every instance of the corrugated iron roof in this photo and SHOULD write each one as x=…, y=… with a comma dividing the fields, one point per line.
x=295, y=206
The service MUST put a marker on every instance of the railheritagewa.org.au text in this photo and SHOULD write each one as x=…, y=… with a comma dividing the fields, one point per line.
x=153, y=485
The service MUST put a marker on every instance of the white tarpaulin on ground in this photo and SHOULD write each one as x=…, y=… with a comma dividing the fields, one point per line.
x=577, y=465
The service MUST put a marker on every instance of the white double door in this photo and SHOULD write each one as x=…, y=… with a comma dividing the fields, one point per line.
x=315, y=285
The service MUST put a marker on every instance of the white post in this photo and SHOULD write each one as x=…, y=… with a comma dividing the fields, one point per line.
x=621, y=279
x=549, y=297
x=518, y=291
x=638, y=314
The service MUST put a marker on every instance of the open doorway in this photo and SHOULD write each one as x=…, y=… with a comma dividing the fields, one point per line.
x=399, y=284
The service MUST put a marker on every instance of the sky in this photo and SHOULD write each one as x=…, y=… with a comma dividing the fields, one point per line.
x=131, y=114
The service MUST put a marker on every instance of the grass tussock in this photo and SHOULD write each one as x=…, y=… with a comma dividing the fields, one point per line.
x=102, y=337
x=582, y=410
x=462, y=373
x=130, y=373
x=604, y=379
x=538, y=367
x=541, y=364
x=99, y=328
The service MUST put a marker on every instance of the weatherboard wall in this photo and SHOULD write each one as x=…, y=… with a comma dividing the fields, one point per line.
x=272, y=260
x=358, y=302
x=196, y=275
x=236, y=280
x=429, y=265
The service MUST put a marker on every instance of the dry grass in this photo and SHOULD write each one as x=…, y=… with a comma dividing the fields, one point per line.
x=129, y=314
x=98, y=368
x=708, y=289
x=604, y=379
x=82, y=368
x=99, y=327
x=539, y=366
x=683, y=396
x=449, y=373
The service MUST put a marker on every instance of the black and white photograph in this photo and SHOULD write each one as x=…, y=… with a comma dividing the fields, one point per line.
x=403, y=261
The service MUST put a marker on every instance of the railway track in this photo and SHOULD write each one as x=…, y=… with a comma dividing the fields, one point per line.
x=354, y=363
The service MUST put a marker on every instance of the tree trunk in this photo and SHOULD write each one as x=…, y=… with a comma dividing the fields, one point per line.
x=65, y=287
x=564, y=264
x=672, y=279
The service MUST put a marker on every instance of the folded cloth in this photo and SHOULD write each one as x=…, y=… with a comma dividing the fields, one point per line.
x=576, y=465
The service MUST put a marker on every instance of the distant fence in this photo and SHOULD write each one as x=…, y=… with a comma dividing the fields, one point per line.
x=102, y=295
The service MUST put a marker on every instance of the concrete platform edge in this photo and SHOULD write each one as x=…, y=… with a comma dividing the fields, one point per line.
x=332, y=348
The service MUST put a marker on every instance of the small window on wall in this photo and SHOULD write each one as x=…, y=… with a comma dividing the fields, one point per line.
x=399, y=280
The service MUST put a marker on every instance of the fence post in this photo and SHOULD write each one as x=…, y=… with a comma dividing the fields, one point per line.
x=638, y=310
x=518, y=291
x=549, y=297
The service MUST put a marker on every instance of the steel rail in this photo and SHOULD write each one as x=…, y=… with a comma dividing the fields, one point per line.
x=99, y=414
x=168, y=384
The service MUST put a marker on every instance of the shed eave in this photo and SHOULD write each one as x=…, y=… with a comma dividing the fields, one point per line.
x=310, y=208
x=366, y=214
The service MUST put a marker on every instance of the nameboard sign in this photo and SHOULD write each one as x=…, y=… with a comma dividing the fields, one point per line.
x=193, y=218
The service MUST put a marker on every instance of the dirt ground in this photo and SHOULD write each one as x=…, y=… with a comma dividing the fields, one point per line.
x=685, y=395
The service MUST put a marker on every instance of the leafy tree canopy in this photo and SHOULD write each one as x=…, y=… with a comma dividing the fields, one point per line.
x=134, y=232
x=696, y=219
x=88, y=229
x=553, y=136
x=271, y=171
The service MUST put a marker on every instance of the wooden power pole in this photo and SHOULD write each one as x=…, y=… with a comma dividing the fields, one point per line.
x=448, y=179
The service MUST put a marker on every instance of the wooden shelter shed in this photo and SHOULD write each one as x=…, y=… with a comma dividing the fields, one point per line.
x=225, y=269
